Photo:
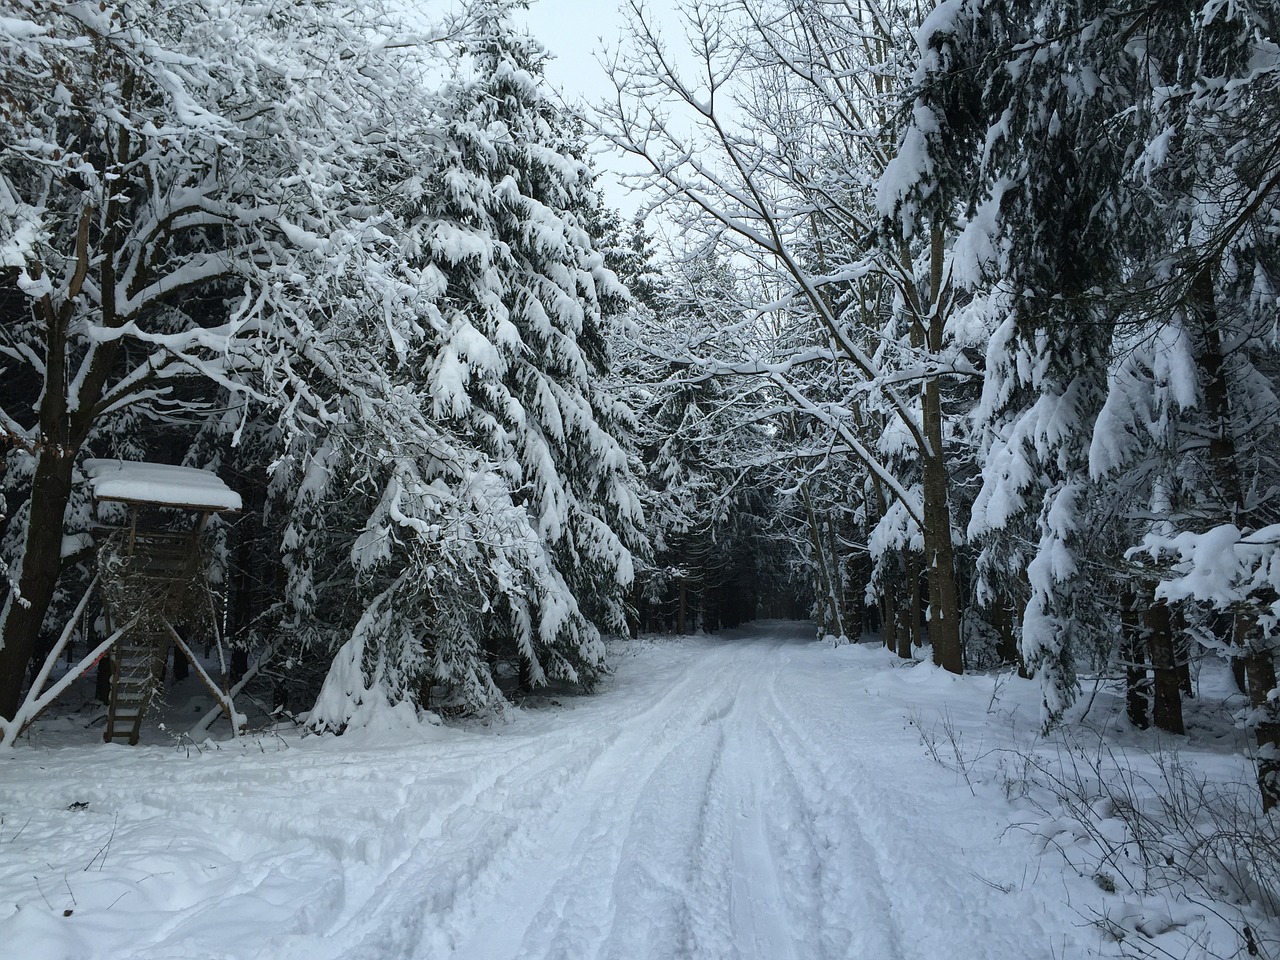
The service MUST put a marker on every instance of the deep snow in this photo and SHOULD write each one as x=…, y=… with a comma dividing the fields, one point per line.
x=753, y=795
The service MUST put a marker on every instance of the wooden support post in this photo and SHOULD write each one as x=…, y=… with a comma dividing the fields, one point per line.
x=237, y=721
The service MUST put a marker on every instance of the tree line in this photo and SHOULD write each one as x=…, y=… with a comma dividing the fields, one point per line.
x=360, y=268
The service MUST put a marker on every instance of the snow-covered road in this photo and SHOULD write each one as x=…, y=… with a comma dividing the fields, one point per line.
x=757, y=795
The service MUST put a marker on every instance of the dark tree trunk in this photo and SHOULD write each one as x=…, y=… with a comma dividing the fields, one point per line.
x=1239, y=675
x=1182, y=650
x=1167, y=684
x=62, y=431
x=181, y=666
x=1259, y=667
x=1260, y=672
x=889, y=617
x=902, y=617
x=940, y=564
x=1001, y=621
x=102, y=680
x=681, y=602
x=1133, y=654
x=20, y=622
x=915, y=622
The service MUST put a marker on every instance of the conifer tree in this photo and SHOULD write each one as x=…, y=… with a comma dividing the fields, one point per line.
x=1120, y=151
x=519, y=441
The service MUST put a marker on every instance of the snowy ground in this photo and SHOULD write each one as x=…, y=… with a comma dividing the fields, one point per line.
x=754, y=795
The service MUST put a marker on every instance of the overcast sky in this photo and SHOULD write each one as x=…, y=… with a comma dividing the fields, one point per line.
x=573, y=30
x=576, y=32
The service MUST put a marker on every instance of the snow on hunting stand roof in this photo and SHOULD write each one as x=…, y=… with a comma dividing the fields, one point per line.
x=159, y=483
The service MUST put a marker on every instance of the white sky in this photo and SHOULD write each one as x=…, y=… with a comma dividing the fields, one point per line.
x=575, y=32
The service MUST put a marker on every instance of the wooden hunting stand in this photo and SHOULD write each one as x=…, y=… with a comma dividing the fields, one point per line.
x=153, y=573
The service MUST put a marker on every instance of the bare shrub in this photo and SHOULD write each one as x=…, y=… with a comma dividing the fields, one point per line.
x=1152, y=825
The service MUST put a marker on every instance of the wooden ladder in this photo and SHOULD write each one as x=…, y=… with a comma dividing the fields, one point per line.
x=136, y=667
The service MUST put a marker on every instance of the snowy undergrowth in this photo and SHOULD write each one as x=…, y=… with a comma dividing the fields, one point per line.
x=1191, y=866
x=758, y=794
x=1169, y=829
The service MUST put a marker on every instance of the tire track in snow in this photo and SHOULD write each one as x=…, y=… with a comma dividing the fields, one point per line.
x=703, y=858
x=741, y=860
x=916, y=833
x=488, y=850
x=616, y=853
x=860, y=917
x=739, y=799
x=432, y=899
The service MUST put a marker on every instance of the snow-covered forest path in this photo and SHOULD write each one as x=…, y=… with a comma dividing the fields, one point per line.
x=756, y=795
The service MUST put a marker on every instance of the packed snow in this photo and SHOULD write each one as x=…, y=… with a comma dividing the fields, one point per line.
x=758, y=794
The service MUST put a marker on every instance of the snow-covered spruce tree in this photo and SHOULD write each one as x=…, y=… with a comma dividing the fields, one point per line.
x=503, y=530
x=1209, y=174
x=1000, y=104
x=1121, y=147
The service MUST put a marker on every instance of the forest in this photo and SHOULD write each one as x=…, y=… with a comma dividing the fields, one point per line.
x=950, y=327
x=961, y=327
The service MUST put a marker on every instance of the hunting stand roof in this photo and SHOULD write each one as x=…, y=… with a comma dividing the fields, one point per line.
x=159, y=484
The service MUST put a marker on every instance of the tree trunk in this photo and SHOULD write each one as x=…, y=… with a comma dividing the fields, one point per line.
x=102, y=680
x=62, y=431
x=906, y=639
x=1182, y=655
x=904, y=597
x=915, y=624
x=940, y=567
x=1133, y=654
x=1259, y=665
x=889, y=619
x=681, y=600
x=181, y=666
x=944, y=605
x=1239, y=675
x=1260, y=671
x=20, y=620
x=839, y=594
x=1002, y=620
x=1167, y=685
